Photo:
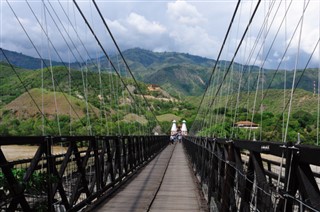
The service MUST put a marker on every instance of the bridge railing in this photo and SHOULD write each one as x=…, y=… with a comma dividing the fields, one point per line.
x=87, y=168
x=256, y=176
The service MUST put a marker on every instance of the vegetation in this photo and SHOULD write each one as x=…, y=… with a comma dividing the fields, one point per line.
x=37, y=186
x=271, y=126
x=65, y=109
x=182, y=77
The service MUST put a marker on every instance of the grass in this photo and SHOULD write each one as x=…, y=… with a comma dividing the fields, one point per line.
x=24, y=105
x=134, y=117
x=168, y=117
x=273, y=102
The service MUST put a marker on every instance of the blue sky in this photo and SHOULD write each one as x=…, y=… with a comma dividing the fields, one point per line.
x=195, y=27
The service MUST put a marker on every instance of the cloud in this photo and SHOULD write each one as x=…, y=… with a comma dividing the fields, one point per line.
x=116, y=26
x=195, y=27
x=184, y=13
x=193, y=39
x=144, y=26
x=187, y=32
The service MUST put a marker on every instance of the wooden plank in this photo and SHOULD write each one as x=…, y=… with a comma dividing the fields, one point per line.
x=178, y=191
x=137, y=195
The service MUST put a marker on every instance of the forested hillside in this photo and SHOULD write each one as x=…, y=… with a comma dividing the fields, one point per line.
x=181, y=79
x=74, y=99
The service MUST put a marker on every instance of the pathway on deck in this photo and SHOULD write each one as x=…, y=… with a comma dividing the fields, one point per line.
x=178, y=190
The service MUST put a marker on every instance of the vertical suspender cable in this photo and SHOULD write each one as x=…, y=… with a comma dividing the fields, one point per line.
x=318, y=108
x=44, y=31
x=218, y=58
x=26, y=89
x=39, y=55
x=284, y=102
x=285, y=75
x=211, y=110
x=284, y=54
x=294, y=75
x=228, y=96
x=42, y=87
x=125, y=62
x=263, y=28
x=102, y=48
x=100, y=97
x=236, y=52
x=239, y=85
x=220, y=52
x=290, y=103
x=52, y=75
x=117, y=99
x=69, y=85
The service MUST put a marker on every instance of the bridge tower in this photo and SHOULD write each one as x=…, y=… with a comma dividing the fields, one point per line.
x=184, y=130
x=174, y=127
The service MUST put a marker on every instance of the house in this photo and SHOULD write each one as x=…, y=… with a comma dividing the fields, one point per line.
x=153, y=87
x=246, y=125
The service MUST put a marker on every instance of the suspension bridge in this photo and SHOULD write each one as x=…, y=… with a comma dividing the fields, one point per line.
x=81, y=133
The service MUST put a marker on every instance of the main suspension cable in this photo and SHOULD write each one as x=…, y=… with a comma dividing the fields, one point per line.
x=124, y=60
x=235, y=54
x=216, y=63
x=25, y=87
x=39, y=55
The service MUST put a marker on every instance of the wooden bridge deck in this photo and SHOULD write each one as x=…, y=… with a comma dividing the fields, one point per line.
x=160, y=187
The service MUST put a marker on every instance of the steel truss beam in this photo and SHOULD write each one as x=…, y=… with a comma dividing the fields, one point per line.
x=90, y=168
x=252, y=175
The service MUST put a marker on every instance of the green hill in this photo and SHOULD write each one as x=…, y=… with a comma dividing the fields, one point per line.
x=184, y=76
x=273, y=102
x=113, y=113
x=25, y=105
x=25, y=61
x=179, y=73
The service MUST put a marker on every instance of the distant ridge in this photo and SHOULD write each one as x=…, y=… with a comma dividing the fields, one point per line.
x=180, y=74
x=24, y=61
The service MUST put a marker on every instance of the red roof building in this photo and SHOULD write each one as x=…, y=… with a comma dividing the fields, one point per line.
x=246, y=124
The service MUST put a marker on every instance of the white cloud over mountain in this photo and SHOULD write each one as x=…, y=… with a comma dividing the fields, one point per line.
x=195, y=27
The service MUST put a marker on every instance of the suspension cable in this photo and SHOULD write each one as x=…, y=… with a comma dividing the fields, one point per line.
x=235, y=54
x=124, y=60
x=102, y=48
x=56, y=51
x=52, y=75
x=25, y=87
x=218, y=58
x=71, y=40
x=296, y=85
x=273, y=77
x=47, y=35
x=39, y=55
x=318, y=108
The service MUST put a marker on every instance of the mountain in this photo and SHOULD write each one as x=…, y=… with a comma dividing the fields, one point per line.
x=180, y=79
x=149, y=59
x=180, y=74
x=186, y=74
x=25, y=94
x=24, y=61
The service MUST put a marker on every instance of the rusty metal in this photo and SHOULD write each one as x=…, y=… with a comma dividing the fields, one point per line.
x=73, y=179
x=256, y=176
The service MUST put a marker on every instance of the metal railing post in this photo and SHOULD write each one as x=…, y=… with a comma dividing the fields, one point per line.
x=50, y=171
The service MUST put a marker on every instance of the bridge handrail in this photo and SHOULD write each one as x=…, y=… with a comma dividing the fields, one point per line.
x=245, y=175
x=90, y=167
